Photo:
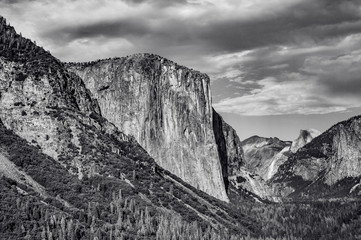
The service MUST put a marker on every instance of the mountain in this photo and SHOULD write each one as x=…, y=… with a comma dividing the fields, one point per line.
x=328, y=166
x=167, y=108
x=304, y=137
x=66, y=172
x=262, y=156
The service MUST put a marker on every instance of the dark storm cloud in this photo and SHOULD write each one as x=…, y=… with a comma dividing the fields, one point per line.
x=157, y=2
x=309, y=21
x=340, y=75
x=108, y=29
x=13, y=1
x=341, y=86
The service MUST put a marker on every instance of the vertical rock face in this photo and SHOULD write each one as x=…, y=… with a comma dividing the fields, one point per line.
x=234, y=149
x=345, y=151
x=229, y=147
x=166, y=107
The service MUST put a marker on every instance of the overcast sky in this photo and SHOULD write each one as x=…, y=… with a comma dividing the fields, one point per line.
x=276, y=66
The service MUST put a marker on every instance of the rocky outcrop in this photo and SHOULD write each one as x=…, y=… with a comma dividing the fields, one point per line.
x=234, y=149
x=47, y=105
x=263, y=156
x=167, y=108
x=305, y=137
x=253, y=183
x=229, y=148
x=325, y=162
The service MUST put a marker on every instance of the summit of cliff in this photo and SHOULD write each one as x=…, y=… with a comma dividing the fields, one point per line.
x=142, y=60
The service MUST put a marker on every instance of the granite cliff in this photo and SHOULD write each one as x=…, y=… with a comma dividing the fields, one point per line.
x=167, y=108
x=229, y=148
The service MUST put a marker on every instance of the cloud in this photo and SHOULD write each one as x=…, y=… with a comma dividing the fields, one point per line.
x=340, y=75
x=324, y=80
x=158, y=2
x=299, y=96
x=264, y=57
x=239, y=25
x=110, y=29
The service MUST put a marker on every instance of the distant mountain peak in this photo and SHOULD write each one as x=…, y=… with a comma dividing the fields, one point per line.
x=304, y=137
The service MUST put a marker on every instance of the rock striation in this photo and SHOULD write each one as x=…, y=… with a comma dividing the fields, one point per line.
x=167, y=108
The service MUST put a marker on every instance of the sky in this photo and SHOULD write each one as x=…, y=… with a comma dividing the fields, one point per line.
x=276, y=66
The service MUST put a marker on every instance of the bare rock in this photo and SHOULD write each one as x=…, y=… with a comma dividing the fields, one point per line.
x=263, y=156
x=326, y=164
x=305, y=137
x=166, y=107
